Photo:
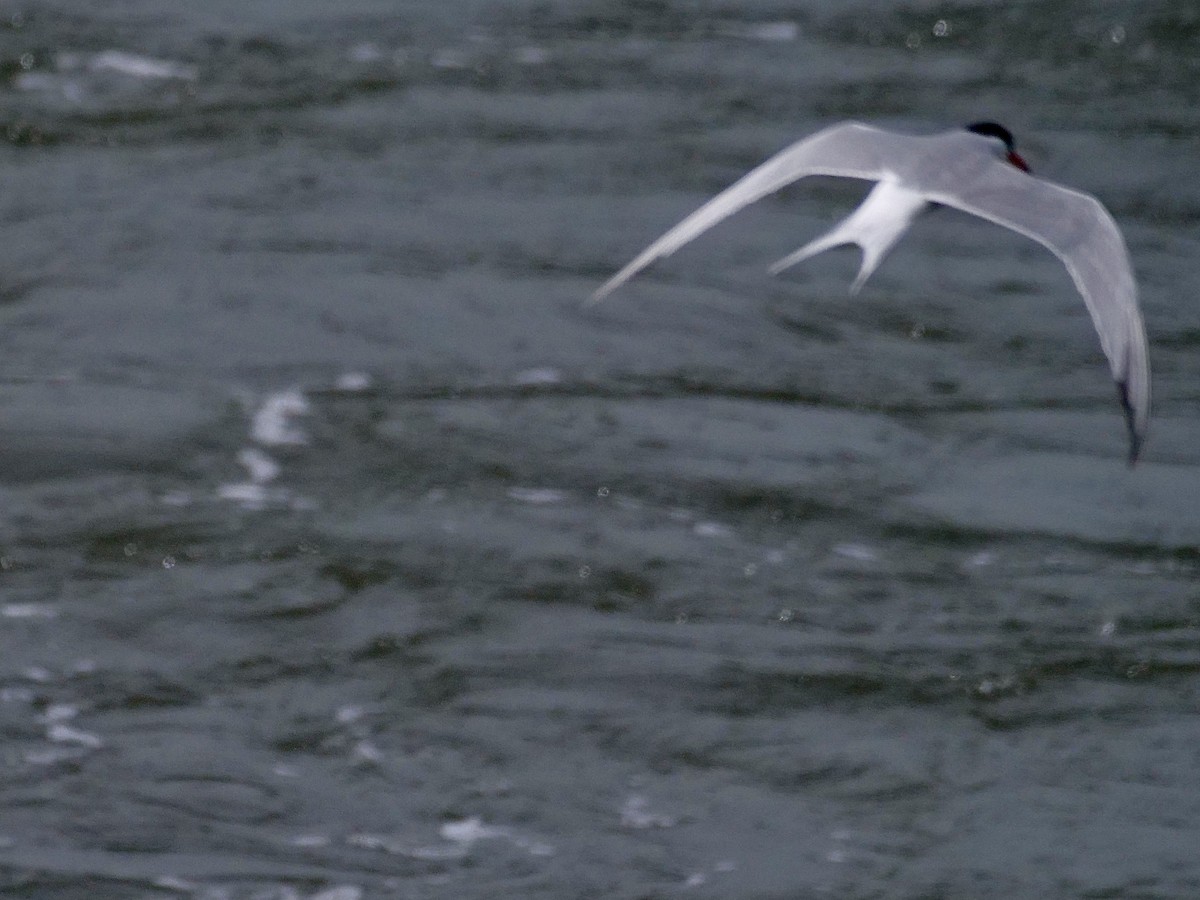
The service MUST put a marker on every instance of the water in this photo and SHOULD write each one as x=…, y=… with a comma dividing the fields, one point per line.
x=344, y=554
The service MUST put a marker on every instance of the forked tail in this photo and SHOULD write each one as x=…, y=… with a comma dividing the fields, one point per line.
x=871, y=257
x=875, y=226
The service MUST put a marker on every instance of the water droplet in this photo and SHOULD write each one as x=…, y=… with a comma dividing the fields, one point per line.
x=585, y=571
x=602, y=492
x=1116, y=34
x=941, y=28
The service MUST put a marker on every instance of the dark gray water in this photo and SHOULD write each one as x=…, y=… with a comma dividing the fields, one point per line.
x=344, y=554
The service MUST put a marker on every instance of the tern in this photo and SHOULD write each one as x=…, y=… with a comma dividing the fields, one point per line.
x=975, y=169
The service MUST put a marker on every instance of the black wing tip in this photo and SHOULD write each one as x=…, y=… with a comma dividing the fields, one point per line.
x=1135, y=449
x=1136, y=436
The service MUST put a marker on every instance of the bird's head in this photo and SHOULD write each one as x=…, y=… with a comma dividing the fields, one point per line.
x=1002, y=134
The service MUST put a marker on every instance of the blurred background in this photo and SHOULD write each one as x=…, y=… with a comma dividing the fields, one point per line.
x=345, y=554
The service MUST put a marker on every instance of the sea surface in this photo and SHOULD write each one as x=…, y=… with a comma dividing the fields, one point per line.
x=346, y=554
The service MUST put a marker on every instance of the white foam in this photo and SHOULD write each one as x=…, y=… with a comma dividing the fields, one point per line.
x=353, y=381
x=65, y=734
x=636, y=814
x=28, y=611
x=250, y=495
x=537, y=496
x=531, y=55
x=259, y=466
x=710, y=530
x=857, y=552
x=468, y=831
x=60, y=712
x=137, y=66
x=366, y=52
x=342, y=892
x=541, y=375
x=271, y=425
x=770, y=32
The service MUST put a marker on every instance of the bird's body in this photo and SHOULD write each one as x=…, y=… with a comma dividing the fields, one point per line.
x=977, y=171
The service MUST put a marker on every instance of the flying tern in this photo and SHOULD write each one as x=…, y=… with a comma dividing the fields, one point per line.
x=977, y=170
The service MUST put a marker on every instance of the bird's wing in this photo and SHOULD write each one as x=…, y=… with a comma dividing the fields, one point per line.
x=849, y=150
x=1079, y=231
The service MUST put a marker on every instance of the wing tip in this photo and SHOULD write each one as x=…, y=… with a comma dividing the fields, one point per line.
x=609, y=286
x=1137, y=431
x=1135, y=449
x=597, y=295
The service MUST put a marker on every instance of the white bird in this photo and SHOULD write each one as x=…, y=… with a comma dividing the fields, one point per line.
x=978, y=171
